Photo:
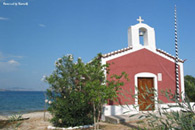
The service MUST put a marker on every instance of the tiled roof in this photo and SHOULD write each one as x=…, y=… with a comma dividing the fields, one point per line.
x=129, y=48
x=169, y=55
x=116, y=52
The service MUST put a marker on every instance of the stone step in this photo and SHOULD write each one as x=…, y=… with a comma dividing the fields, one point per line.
x=115, y=119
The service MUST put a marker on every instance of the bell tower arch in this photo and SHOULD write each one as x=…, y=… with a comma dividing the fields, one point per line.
x=141, y=35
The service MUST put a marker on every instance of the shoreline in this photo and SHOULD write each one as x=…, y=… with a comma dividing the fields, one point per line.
x=29, y=115
x=8, y=114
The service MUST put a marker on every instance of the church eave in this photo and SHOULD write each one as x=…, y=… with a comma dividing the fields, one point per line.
x=129, y=48
x=169, y=55
x=116, y=52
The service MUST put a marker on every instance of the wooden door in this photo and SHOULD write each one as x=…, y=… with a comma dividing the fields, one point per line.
x=146, y=94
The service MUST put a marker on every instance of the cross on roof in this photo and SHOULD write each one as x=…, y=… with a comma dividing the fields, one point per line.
x=140, y=19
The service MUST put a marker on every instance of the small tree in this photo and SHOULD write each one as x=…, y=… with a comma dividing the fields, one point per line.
x=78, y=91
x=68, y=103
x=100, y=89
x=190, y=87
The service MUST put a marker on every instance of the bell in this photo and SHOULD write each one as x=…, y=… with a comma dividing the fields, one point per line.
x=141, y=33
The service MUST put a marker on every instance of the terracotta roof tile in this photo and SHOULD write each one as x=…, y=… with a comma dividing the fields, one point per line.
x=116, y=52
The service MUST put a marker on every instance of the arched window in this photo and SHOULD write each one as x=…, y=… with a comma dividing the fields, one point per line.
x=143, y=36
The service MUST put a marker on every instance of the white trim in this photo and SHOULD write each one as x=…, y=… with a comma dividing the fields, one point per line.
x=182, y=81
x=69, y=128
x=149, y=36
x=109, y=110
x=164, y=56
x=159, y=76
x=119, y=110
x=148, y=75
x=174, y=108
x=137, y=49
x=121, y=54
x=103, y=62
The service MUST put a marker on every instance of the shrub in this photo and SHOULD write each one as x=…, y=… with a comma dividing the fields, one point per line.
x=73, y=110
x=68, y=102
x=190, y=87
x=78, y=91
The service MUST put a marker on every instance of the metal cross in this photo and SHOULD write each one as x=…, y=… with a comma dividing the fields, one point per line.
x=140, y=19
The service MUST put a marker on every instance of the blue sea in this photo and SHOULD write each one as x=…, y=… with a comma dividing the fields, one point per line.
x=15, y=102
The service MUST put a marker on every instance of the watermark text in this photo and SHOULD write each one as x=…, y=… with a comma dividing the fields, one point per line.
x=15, y=3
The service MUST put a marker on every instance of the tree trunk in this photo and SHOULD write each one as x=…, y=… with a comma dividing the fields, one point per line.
x=98, y=120
x=94, y=116
x=99, y=116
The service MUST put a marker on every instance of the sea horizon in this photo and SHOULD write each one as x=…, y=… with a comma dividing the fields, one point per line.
x=27, y=90
x=20, y=102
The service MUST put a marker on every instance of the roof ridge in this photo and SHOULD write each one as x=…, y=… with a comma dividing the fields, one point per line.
x=169, y=55
x=116, y=52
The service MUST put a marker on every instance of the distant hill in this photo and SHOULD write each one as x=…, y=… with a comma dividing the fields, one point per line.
x=3, y=90
x=16, y=89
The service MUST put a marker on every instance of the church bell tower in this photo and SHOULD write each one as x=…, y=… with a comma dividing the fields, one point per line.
x=141, y=36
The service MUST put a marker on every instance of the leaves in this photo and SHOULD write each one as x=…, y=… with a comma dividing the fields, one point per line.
x=79, y=91
x=166, y=119
x=190, y=87
x=70, y=101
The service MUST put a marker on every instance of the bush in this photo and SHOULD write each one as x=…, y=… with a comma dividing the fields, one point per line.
x=78, y=91
x=73, y=110
x=190, y=87
x=68, y=102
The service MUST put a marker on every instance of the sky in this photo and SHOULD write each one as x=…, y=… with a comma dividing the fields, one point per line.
x=35, y=35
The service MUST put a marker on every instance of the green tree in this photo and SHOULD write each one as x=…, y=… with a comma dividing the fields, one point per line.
x=68, y=102
x=190, y=87
x=78, y=91
x=99, y=89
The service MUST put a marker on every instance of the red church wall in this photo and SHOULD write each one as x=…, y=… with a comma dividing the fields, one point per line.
x=142, y=61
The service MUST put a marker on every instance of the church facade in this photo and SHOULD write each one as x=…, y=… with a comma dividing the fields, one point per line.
x=147, y=68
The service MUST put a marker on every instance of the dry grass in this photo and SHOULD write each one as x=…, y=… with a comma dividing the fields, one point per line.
x=35, y=122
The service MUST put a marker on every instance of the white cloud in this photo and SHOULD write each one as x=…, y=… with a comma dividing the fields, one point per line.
x=3, y=18
x=42, y=25
x=9, y=66
x=13, y=62
x=8, y=56
x=8, y=62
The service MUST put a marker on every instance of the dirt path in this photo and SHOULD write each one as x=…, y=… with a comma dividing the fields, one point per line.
x=36, y=122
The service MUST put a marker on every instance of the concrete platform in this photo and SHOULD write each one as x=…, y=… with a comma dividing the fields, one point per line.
x=115, y=119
